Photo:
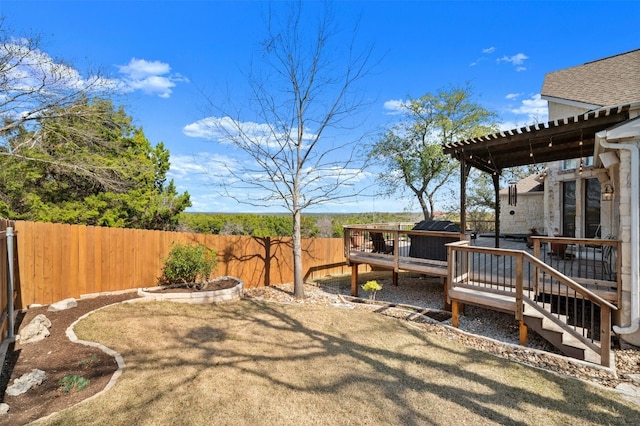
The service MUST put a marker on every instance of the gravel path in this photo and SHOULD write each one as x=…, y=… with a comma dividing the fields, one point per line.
x=421, y=301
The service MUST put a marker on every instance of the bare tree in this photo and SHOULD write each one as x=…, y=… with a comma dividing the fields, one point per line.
x=303, y=147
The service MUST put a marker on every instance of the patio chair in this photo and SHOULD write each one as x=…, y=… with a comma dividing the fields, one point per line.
x=380, y=245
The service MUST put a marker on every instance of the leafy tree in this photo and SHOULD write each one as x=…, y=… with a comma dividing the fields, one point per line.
x=255, y=225
x=411, y=151
x=67, y=155
x=481, y=194
x=91, y=167
x=306, y=94
x=36, y=87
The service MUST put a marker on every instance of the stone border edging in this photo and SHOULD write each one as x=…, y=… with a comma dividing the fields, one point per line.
x=210, y=296
x=71, y=335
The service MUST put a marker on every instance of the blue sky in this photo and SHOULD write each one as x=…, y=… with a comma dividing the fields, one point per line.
x=165, y=53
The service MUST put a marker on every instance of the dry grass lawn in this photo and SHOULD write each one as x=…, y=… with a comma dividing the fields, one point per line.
x=262, y=363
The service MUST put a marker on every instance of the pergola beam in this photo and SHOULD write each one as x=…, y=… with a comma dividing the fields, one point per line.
x=565, y=139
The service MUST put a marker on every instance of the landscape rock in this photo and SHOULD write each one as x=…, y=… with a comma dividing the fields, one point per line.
x=36, y=330
x=26, y=382
x=4, y=408
x=635, y=378
x=62, y=305
x=630, y=391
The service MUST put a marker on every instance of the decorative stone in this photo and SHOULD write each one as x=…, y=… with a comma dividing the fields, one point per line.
x=62, y=305
x=4, y=408
x=36, y=330
x=26, y=382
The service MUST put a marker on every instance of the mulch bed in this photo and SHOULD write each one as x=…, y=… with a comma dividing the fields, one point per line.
x=58, y=357
x=220, y=284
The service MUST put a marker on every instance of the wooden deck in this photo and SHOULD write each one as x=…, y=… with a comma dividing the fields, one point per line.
x=573, y=283
x=492, y=268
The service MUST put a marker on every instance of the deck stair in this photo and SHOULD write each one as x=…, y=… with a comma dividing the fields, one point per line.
x=551, y=328
x=537, y=316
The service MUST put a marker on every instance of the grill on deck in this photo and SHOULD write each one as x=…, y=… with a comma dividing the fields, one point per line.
x=433, y=247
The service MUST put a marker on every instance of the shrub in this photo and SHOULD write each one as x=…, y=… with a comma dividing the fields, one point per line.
x=73, y=382
x=188, y=264
x=373, y=287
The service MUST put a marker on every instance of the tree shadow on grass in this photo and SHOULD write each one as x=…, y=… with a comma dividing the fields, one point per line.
x=314, y=352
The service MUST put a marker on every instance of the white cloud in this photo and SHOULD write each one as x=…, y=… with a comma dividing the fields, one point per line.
x=517, y=61
x=228, y=130
x=486, y=51
x=140, y=69
x=150, y=77
x=199, y=167
x=513, y=95
x=28, y=69
x=532, y=110
x=31, y=67
x=395, y=106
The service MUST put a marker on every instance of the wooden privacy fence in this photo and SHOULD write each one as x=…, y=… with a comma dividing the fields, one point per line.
x=58, y=261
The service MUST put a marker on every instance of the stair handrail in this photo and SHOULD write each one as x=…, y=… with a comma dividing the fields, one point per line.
x=570, y=282
x=605, y=307
x=464, y=246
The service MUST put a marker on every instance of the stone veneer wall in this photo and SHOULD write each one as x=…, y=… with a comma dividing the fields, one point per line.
x=623, y=192
x=528, y=213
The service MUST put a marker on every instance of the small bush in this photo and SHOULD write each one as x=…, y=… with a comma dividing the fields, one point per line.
x=88, y=362
x=188, y=264
x=73, y=382
x=373, y=287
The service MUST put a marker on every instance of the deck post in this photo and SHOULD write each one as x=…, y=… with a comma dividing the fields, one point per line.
x=495, y=177
x=519, y=286
x=464, y=174
x=445, y=293
x=455, y=313
x=523, y=333
x=605, y=336
x=394, y=277
x=354, y=280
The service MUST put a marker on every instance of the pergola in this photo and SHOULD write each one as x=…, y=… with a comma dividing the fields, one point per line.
x=564, y=139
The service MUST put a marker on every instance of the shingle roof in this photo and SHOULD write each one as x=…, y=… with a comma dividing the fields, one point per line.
x=529, y=184
x=606, y=82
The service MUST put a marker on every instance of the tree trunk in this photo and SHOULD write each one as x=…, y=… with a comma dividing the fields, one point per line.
x=432, y=208
x=424, y=207
x=298, y=283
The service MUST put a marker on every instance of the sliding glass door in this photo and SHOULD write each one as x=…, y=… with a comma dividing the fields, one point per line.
x=591, y=208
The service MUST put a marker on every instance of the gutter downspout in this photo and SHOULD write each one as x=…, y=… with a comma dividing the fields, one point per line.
x=635, y=229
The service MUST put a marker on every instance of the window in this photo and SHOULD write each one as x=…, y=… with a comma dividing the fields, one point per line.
x=574, y=163
x=569, y=209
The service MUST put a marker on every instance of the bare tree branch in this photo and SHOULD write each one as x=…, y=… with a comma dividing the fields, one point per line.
x=303, y=150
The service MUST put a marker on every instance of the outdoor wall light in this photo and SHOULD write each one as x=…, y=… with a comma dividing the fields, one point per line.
x=607, y=192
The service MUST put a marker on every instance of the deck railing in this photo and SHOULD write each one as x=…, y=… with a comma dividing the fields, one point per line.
x=397, y=246
x=517, y=274
x=594, y=263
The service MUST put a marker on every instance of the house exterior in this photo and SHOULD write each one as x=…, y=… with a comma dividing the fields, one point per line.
x=591, y=147
x=596, y=194
x=526, y=211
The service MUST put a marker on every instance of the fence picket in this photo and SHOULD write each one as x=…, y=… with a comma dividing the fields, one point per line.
x=61, y=261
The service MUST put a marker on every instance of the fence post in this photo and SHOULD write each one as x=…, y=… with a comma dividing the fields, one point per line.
x=267, y=261
x=10, y=299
